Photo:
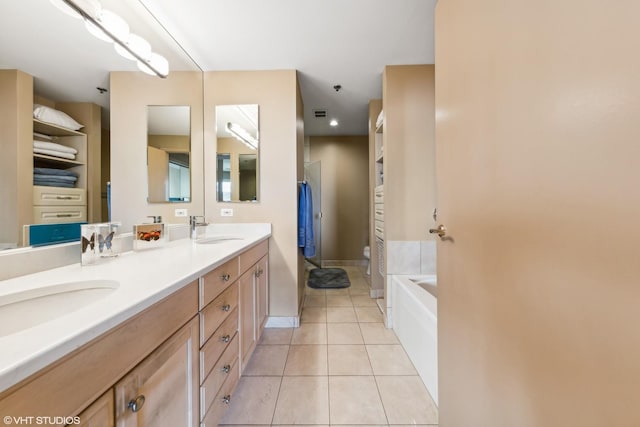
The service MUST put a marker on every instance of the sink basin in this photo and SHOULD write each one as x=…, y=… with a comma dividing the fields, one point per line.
x=25, y=309
x=208, y=240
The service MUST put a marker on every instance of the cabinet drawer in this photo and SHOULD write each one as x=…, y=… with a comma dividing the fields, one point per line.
x=217, y=311
x=250, y=257
x=215, y=282
x=58, y=214
x=216, y=344
x=57, y=196
x=225, y=367
x=222, y=399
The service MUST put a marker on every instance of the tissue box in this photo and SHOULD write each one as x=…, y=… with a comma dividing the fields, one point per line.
x=98, y=241
x=146, y=236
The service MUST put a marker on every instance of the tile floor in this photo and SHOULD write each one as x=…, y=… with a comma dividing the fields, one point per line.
x=340, y=367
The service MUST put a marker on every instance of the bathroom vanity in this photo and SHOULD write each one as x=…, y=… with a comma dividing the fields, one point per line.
x=168, y=342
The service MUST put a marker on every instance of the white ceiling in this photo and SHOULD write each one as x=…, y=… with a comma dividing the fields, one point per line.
x=346, y=42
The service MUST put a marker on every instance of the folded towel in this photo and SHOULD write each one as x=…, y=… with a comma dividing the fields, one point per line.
x=52, y=171
x=60, y=178
x=46, y=183
x=55, y=147
x=55, y=153
x=56, y=117
x=43, y=136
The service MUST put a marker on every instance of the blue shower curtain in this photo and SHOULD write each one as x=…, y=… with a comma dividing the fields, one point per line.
x=305, y=222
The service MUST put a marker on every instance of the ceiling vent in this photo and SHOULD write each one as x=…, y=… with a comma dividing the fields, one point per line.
x=320, y=114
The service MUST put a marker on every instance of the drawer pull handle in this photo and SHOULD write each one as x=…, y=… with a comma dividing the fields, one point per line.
x=226, y=369
x=226, y=307
x=226, y=338
x=225, y=277
x=226, y=399
x=136, y=404
x=64, y=215
x=64, y=197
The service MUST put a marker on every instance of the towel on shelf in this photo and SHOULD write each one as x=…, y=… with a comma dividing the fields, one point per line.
x=52, y=171
x=60, y=178
x=55, y=153
x=305, y=222
x=54, y=147
x=48, y=183
x=42, y=136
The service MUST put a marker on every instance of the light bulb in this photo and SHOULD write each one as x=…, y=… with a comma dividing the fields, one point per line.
x=333, y=123
x=111, y=22
x=137, y=44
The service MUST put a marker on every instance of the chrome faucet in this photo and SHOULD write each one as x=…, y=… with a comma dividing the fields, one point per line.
x=194, y=224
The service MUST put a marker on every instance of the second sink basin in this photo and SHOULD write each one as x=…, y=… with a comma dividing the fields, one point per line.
x=216, y=239
x=25, y=309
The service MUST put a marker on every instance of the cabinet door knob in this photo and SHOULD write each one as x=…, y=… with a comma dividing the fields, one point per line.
x=226, y=338
x=226, y=307
x=226, y=399
x=136, y=404
x=226, y=369
x=225, y=277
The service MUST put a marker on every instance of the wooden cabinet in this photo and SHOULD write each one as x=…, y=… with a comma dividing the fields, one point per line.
x=262, y=294
x=163, y=389
x=99, y=414
x=247, y=316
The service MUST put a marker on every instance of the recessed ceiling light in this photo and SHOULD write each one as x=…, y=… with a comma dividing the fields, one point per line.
x=333, y=122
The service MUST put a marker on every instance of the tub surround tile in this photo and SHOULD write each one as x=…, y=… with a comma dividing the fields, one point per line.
x=390, y=360
x=262, y=392
x=349, y=360
x=307, y=360
x=355, y=400
x=406, y=400
x=403, y=257
x=344, y=333
x=428, y=258
x=303, y=400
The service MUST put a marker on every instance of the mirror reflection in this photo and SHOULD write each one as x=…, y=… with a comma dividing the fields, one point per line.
x=168, y=153
x=238, y=141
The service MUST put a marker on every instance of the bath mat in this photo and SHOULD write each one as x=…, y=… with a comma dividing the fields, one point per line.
x=328, y=278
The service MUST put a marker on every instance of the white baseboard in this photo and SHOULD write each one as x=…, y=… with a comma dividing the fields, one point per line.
x=376, y=293
x=283, y=322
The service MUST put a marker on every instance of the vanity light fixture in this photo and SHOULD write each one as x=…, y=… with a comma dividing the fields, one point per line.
x=242, y=135
x=333, y=123
x=110, y=27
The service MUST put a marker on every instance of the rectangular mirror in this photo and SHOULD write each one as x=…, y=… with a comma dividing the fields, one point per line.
x=168, y=153
x=238, y=142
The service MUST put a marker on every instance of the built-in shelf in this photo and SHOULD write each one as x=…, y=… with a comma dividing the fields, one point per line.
x=53, y=130
x=53, y=161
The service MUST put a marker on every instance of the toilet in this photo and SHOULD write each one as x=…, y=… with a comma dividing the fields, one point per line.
x=367, y=255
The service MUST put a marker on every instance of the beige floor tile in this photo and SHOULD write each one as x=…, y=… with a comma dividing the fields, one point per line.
x=302, y=400
x=267, y=360
x=315, y=301
x=341, y=315
x=390, y=360
x=355, y=400
x=276, y=336
x=310, y=333
x=406, y=400
x=344, y=333
x=337, y=292
x=339, y=301
x=313, y=291
x=363, y=301
x=358, y=281
x=359, y=290
x=254, y=401
x=368, y=314
x=307, y=360
x=376, y=333
x=348, y=360
x=314, y=315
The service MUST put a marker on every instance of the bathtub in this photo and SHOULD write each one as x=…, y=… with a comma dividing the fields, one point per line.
x=415, y=322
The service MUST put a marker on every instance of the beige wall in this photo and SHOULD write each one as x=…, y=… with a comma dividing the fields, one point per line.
x=345, y=194
x=538, y=172
x=276, y=94
x=131, y=93
x=409, y=151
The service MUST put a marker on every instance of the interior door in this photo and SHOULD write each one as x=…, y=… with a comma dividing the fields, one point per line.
x=538, y=167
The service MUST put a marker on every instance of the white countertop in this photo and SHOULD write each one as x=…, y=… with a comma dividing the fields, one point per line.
x=145, y=277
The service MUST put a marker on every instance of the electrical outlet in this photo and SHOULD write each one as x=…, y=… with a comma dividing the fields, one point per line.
x=226, y=212
x=181, y=212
